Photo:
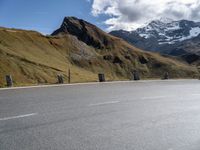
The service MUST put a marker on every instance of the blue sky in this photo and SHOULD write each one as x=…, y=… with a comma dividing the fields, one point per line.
x=44, y=15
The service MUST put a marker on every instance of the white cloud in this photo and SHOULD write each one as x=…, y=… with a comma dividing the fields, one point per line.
x=129, y=14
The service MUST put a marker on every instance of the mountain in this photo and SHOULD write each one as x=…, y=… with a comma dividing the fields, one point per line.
x=85, y=32
x=32, y=58
x=167, y=37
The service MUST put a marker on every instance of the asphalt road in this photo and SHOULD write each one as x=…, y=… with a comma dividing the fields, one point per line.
x=148, y=115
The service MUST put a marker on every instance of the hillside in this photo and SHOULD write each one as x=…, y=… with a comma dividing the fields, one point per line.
x=33, y=58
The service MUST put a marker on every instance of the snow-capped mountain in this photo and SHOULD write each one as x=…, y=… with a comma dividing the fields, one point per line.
x=170, y=32
x=165, y=36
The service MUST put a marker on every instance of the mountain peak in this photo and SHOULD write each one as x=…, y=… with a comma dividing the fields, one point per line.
x=166, y=20
x=171, y=32
x=163, y=35
x=84, y=31
x=160, y=21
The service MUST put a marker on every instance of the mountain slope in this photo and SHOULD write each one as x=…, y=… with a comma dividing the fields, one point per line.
x=165, y=37
x=33, y=58
x=85, y=32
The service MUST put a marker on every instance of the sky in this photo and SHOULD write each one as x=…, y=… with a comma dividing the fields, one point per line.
x=46, y=16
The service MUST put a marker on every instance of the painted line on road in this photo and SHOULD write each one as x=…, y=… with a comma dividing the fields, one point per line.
x=105, y=103
x=17, y=117
x=154, y=97
x=196, y=94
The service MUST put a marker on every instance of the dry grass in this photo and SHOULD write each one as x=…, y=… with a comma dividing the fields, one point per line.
x=35, y=59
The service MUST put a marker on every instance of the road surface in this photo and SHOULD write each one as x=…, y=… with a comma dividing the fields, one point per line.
x=145, y=115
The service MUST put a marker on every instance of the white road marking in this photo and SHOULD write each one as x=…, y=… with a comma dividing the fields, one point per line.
x=17, y=117
x=196, y=94
x=154, y=97
x=91, y=83
x=105, y=103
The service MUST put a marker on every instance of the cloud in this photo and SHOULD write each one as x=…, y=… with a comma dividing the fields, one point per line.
x=130, y=14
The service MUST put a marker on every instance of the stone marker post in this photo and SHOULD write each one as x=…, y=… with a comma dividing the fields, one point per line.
x=9, y=81
x=136, y=75
x=60, y=79
x=101, y=77
x=166, y=76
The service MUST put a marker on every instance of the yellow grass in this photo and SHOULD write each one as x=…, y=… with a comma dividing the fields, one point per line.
x=32, y=58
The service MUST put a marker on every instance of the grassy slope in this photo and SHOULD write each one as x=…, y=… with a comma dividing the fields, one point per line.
x=33, y=58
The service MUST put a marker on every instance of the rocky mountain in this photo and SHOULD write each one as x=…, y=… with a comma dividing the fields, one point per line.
x=175, y=38
x=32, y=58
x=85, y=32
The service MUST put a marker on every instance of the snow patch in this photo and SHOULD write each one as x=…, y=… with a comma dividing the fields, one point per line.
x=194, y=32
x=146, y=36
x=167, y=31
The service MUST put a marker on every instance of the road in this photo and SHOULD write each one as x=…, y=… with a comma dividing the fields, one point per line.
x=144, y=115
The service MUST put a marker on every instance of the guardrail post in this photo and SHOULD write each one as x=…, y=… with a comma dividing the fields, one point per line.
x=101, y=77
x=136, y=75
x=60, y=79
x=9, y=81
x=166, y=76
